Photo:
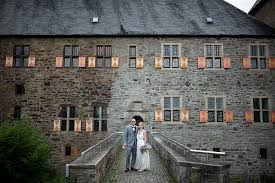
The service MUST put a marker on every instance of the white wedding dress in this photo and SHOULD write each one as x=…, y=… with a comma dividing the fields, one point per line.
x=142, y=159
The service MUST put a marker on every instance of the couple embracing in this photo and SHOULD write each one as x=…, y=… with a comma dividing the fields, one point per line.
x=134, y=141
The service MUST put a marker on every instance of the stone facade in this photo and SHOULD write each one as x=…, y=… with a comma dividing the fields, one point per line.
x=265, y=12
x=189, y=171
x=129, y=91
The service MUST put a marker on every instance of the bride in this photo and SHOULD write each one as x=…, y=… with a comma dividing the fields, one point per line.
x=142, y=158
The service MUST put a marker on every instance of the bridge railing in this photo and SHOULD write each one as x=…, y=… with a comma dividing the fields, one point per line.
x=92, y=164
x=189, y=165
x=95, y=149
x=188, y=153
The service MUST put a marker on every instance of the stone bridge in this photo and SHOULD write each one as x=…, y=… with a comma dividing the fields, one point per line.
x=171, y=162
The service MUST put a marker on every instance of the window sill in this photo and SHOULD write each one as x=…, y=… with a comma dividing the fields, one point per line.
x=260, y=69
x=173, y=123
x=171, y=69
x=214, y=69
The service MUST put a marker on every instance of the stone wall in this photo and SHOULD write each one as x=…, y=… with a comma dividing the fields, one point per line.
x=94, y=168
x=266, y=13
x=189, y=171
x=129, y=91
x=241, y=142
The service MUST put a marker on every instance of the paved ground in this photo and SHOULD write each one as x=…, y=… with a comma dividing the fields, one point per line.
x=157, y=174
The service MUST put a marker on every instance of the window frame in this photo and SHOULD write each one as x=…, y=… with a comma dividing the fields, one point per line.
x=171, y=109
x=258, y=57
x=171, y=56
x=67, y=119
x=132, y=57
x=65, y=148
x=1, y=116
x=15, y=116
x=261, y=110
x=216, y=149
x=215, y=108
x=71, y=56
x=100, y=118
x=265, y=157
x=17, y=93
x=21, y=56
x=104, y=57
x=213, y=57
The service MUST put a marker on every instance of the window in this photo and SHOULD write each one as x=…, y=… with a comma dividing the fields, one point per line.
x=170, y=53
x=68, y=150
x=215, y=107
x=213, y=54
x=132, y=56
x=263, y=153
x=21, y=56
x=216, y=150
x=19, y=89
x=100, y=119
x=103, y=56
x=261, y=109
x=1, y=117
x=258, y=56
x=67, y=116
x=17, y=112
x=171, y=109
x=71, y=54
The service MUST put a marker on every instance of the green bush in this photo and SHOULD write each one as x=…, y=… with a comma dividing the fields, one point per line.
x=24, y=154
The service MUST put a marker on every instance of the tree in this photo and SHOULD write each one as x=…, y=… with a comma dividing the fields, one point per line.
x=24, y=154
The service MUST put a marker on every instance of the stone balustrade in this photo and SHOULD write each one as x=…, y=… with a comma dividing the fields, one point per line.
x=93, y=163
x=185, y=164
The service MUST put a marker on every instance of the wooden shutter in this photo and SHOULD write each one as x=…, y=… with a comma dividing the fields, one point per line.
x=184, y=115
x=77, y=125
x=271, y=63
x=81, y=61
x=9, y=61
x=58, y=62
x=184, y=62
x=226, y=63
x=73, y=151
x=91, y=61
x=273, y=116
x=158, y=114
x=229, y=116
x=201, y=62
x=203, y=116
x=246, y=63
x=56, y=125
x=158, y=62
x=89, y=125
x=31, y=62
x=115, y=62
x=139, y=62
x=249, y=116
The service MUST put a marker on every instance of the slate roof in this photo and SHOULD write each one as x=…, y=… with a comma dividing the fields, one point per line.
x=126, y=17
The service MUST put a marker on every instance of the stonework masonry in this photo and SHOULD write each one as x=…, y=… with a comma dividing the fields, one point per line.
x=129, y=91
x=265, y=13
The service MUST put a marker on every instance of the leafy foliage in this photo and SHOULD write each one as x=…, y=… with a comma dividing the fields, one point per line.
x=24, y=154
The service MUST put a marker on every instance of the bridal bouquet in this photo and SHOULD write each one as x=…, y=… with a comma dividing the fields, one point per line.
x=143, y=148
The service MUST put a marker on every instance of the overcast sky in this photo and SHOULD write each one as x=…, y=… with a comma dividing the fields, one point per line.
x=244, y=5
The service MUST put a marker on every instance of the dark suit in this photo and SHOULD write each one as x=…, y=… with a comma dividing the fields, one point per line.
x=130, y=139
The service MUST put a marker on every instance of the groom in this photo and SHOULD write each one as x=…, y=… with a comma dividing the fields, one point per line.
x=130, y=143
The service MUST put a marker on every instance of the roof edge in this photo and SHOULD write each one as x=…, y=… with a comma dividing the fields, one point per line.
x=138, y=35
x=256, y=6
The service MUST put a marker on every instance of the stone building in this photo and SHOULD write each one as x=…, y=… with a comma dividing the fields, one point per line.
x=200, y=71
x=263, y=10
